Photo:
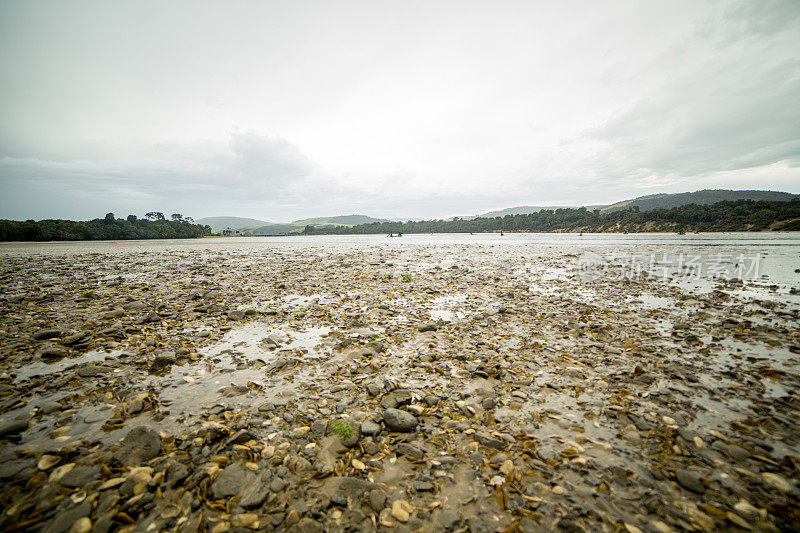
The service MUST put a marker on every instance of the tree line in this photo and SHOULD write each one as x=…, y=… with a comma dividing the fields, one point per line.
x=153, y=226
x=740, y=215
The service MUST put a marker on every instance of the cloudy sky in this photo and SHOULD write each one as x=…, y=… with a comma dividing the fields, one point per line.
x=282, y=110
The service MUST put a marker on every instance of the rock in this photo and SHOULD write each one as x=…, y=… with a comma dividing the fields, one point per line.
x=76, y=338
x=49, y=406
x=277, y=485
x=409, y=451
x=736, y=452
x=175, y=474
x=777, y=481
x=400, y=421
x=9, y=469
x=447, y=518
x=134, y=306
x=236, y=315
x=162, y=362
x=44, y=334
x=46, y=462
x=254, y=495
x=377, y=499
x=429, y=326
x=148, y=318
x=90, y=371
x=12, y=427
x=59, y=472
x=240, y=437
x=631, y=434
x=233, y=479
x=82, y=525
x=371, y=447
x=396, y=398
x=139, y=446
x=374, y=389
x=423, y=486
x=80, y=476
x=401, y=510
x=51, y=351
x=64, y=520
x=349, y=487
x=490, y=442
x=115, y=313
x=137, y=482
x=690, y=480
x=370, y=428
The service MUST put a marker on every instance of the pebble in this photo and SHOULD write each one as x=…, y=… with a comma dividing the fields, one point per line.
x=401, y=510
x=690, y=480
x=580, y=411
x=400, y=421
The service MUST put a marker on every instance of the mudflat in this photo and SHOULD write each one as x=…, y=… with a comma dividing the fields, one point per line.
x=368, y=385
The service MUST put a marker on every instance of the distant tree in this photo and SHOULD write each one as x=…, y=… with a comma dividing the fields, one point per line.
x=308, y=229
x=177, y=217
x=154, y=215
x=131, y=218
x=110, y=217
x=190, y=220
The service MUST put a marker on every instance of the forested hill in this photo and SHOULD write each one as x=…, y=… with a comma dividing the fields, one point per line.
x=155, y=226
x=704, y=197
x=742, y=215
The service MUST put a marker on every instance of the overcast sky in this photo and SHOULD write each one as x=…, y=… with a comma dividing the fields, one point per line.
x=282, y=110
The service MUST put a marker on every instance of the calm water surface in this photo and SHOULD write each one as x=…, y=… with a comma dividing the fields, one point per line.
x=777, y=254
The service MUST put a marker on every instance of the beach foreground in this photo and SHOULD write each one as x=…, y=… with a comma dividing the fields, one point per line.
x=363, y=386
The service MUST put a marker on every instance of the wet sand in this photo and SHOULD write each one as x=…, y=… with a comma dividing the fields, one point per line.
x=363, y=385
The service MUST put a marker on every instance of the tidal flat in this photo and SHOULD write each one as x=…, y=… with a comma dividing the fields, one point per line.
x=450, y=383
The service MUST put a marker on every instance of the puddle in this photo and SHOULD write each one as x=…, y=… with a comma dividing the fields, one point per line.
x=448, y=308
x=40, y=368
x=232, y=371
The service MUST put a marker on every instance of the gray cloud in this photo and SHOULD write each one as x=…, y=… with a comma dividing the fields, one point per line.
x=281, y=112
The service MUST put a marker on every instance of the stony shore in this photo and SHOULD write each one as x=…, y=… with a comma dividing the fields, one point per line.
x=434, y=388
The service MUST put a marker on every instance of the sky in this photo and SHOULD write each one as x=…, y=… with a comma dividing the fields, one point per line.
x=285, y=110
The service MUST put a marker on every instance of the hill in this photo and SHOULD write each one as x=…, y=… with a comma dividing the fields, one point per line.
x=704, y=197
x=298, y=226
x=100, y=229
x=272, y=229
x=653, y=201
x=342, y=220
x=528, y=209
x=220, y=223
x=739, y=215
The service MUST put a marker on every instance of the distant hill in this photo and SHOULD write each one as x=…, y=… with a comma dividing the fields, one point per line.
x=298, y=226
x=653, y=201
x=342, y=220
x=250, y=226
x=220, y=223
x=738, y=215
x=272, y=229
x=528, y=209
x=704, y=197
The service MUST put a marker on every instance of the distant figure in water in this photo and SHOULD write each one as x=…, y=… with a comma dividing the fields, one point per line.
x=501, y=233
x=581, y=235
x=399, y=234
x=390, y=235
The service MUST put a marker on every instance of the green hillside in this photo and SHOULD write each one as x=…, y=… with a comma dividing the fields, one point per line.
x=704, y=197
x=221, y=223
x=342, y=220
